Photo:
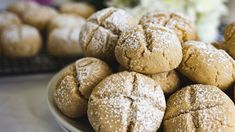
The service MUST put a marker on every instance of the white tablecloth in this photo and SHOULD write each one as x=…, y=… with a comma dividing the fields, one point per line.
x=23, y=105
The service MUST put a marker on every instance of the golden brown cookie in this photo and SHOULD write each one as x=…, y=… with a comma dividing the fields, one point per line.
x=77, y=8
x=126, y=101
x=63, y=42
x=149, y=49
x=76, y=84
x=99, y=35
x=205, y=64
x=39, y=17
x=200, y=108
x=184, y=28
x=7, y=19
x=20, y=41
x=66, y=20
x=229, y=31
x=20, y=7
x=229, y=36
x=169, y=81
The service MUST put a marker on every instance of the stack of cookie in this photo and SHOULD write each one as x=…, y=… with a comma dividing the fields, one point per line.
x=151, y=54
x=24, y=25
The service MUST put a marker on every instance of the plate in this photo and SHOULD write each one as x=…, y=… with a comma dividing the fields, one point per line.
x=67, y=124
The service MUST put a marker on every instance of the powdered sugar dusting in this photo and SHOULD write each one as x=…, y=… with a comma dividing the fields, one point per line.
x=7, y=18
x=146, y=107
x=184, y=28
x=211, y=53
x=206, y=105
x=66, y=20
x=15, y=33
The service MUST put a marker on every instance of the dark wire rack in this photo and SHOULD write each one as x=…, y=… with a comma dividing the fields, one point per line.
x=42, y=63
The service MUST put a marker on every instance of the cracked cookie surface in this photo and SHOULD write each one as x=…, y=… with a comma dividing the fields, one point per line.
x=200, y=108
x=63, y=42
x=184, y=28
x=99, y=35
x=76, y=83
x=149, y=49
x=205, y=64
x=126, y=101
x=20, y=41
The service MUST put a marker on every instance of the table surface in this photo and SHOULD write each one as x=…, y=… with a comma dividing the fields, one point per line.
x=23, y=105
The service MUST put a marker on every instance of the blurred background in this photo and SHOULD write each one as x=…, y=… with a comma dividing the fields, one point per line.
x=209, y=16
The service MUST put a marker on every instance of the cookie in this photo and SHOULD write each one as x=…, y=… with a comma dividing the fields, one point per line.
x=169, y=81
x=202, y=63
x=149, y=49
x=229, y=36
x=100, y=34
x=20, y=41
x=77, y=8
x=184, y=28
x=76, y=83
x=7, y=19
x=202, y=108
x=20, y=7
x=66, y=20
x=126, y=101
x=39, y=17
x=63, y=42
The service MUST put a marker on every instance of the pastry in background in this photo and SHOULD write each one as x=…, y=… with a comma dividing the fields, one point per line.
x=184, y=28
x=64, y=42
x=229, y=39
x=199, y=107
x=39, y=17
x=66, y=20
x=149, y=49
x=126, y=102
x=20, y=7
x=20, y=41
x=100, y=34
x=169, y=81
x=7, y=19
x=203, y=63
x=76, y=84
x=78, y=8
